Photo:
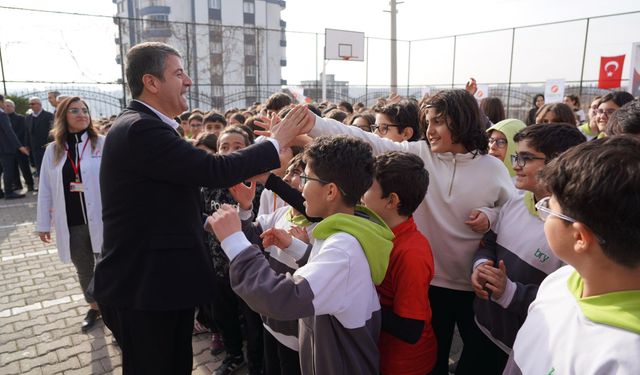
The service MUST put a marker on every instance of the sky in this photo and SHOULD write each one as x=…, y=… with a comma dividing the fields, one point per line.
x=51, y=47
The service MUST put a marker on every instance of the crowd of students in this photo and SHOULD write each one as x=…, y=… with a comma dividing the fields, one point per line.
x=387, y=227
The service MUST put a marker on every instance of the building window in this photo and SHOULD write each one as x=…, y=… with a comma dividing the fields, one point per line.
x=156, y=21
x=216, y=47
x=216, y=69
x=250, y=49
x=250, y=70
x=249, y=7
x=217, y=91
x=215, y=4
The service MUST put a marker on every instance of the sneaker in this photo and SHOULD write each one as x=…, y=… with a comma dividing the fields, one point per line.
x=12, y=195
x=217, y=346
x=230, y=364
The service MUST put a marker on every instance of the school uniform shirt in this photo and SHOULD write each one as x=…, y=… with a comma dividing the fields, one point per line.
x=405, y=290
x=269, y=202
x=286, y=332
x=517, y=238
x=585, y=129
x=567, y=334
x=333, y=294
x=52, y=210
x=458, y=184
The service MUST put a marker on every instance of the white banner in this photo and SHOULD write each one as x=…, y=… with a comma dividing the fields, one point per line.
x=554, y=91
x=634, y=87
x=482, y=92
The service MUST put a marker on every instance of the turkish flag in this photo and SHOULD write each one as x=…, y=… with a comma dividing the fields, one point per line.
x=610, y=72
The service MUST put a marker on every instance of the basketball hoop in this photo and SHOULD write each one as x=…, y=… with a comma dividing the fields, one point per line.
x=347, y=58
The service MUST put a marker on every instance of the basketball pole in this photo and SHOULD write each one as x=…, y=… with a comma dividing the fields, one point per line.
x=324, y=80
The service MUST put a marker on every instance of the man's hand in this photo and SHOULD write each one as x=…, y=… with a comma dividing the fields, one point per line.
x=276, y=237
x=224, y=222
x=478, y=282
x=478, y=221
x=24, y=150
x=296, y=122
x=496, y=279
x=471, y=86
x=243, y=194
x=45, y=236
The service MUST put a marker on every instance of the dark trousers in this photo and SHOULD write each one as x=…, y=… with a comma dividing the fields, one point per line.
x=494, y=358
x=152, y=342
x=83, y=257
x=279, y=359
x=22, y=161
x=38, y=155
x=449, y=308
x=8, y=163
x=226, y=308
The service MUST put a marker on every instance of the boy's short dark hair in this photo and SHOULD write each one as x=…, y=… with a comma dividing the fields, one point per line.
x=347, y=106
x=214, y=117
x=239, y=117
x=467, y=127
x=337, y=115
x=345, y=161
x=404, y=174
x=277, y=101
x=625, y=120
x=208, y=140
x=184, y=116
x=597, y=184
x=297, y=161
x=405, y=114
x=195, y=116
x=551, y=139
x=235, y=129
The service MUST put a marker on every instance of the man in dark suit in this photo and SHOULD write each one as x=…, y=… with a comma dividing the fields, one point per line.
x=39, y=122
x=22, y=160
x=9, y=145
x=155, y=268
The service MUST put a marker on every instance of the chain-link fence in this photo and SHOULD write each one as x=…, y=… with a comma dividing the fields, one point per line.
x=234, y=66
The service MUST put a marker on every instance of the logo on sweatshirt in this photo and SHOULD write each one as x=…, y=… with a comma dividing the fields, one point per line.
x=542, y=257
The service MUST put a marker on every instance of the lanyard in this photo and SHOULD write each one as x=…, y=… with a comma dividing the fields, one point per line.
x=74, y=166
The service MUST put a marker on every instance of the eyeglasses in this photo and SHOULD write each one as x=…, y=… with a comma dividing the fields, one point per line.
x=500, y=142
x=77, y=111
x=608, y=112
x=382, y=128
x=544, y=212
x=521, y=160
x=304, y=179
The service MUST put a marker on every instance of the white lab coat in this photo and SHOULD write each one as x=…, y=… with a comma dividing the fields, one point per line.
x=51, y=203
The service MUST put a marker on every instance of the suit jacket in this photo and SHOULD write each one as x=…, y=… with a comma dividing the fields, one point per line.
x=19, y=127
x=9, y=143
x=38, y=129
x=154, y=257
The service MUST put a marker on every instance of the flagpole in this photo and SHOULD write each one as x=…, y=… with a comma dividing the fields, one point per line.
x=584, y=56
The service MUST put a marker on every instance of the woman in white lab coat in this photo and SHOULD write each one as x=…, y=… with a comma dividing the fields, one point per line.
x=69, y=194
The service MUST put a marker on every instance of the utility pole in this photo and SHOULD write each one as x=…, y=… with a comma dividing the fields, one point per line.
x=394, y=47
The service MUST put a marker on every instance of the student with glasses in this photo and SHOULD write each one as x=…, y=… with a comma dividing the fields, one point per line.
x=69, y=194
x=585, y=318
x=397, y=122
x=514, y=257
x=610, y=103
x=501, y=142
x=590, y=128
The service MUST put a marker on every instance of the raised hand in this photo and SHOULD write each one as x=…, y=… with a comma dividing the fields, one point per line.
x=471, y=86
x=298, y=121
x=478, y=282
x=299, y=233
x=496, y=279
x=243, y=194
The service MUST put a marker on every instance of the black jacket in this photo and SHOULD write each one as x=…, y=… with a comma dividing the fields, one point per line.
x=19, y=127
x=38, y=129
x=153, y=255
x=9, y=143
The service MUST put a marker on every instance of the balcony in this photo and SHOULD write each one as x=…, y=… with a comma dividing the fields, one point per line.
x=249, y=18
x=283, y=62
x=118, y=59
x=283, y=43
x=215, y=14
x=156, y=32
x=155, y=9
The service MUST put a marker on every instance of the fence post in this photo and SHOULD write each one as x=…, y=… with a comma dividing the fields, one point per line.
x=366, y=75
x=584, y=56
x=124, y=86
x=453, y=70
x=4, y=83
x=513, y=39
x=409, y=68
x=317, y=76
x=188, y=56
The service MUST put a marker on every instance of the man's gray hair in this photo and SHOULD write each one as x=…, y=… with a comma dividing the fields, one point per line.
x=35, y=99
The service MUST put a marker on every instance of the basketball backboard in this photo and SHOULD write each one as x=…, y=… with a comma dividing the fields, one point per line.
x=343, y=45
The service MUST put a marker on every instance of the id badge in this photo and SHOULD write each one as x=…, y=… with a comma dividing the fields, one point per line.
x=76, y=187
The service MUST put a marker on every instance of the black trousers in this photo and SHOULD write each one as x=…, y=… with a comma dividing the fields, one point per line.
x=8, y=163
x=279, y=359
x=449, y=308
x=152, y=342
x=22, y=162
x=227, y=307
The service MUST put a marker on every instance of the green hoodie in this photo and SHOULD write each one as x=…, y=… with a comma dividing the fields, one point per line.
x=371, y=232
x=509, y=128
